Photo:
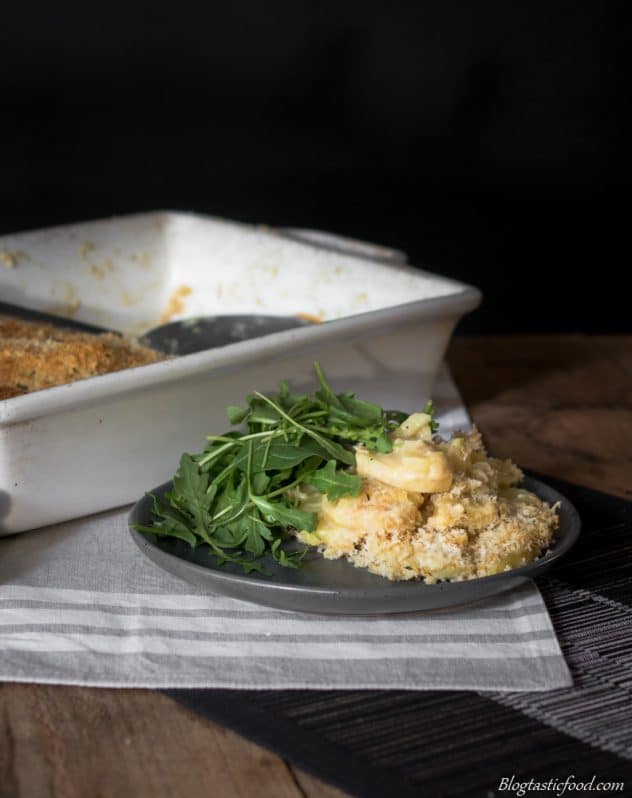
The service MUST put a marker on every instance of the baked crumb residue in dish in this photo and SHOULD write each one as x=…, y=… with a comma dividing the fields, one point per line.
x=34, y=356
x=433, y=510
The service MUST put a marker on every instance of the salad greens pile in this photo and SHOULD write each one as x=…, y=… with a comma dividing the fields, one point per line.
x=239, y=496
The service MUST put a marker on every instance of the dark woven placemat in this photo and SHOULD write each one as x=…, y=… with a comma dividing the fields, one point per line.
x=378, y=742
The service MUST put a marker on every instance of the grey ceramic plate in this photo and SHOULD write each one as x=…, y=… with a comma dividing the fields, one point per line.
x=335, y=586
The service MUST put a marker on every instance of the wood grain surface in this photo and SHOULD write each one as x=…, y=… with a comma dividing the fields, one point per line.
x=560, y=405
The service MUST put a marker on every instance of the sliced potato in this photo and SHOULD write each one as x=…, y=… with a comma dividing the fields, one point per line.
x=413, y=465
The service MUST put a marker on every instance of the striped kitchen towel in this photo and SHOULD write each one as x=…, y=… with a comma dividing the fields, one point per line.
x=79, y=604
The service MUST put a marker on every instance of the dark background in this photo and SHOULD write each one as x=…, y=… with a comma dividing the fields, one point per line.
x=486, y=139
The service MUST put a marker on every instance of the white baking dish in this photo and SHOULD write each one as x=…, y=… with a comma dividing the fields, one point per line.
x=99, y=443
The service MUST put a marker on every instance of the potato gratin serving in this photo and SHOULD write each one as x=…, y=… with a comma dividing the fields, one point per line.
x=375, y=486
x=433, y=509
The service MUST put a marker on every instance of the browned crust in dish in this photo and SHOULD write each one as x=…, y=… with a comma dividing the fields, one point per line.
x=35, y=356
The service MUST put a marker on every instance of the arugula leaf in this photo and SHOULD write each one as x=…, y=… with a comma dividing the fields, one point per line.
x=260, y=483
x=255, y=542
x=229, y=536
x=276, y=455
x=326, y=393
x=288, y=559
x=191, y=486
x=281, y=479
x=168, y=530
x=287, y=399
x=237, y=414
x=334, y=482
x=281, y=513
x=263, y=414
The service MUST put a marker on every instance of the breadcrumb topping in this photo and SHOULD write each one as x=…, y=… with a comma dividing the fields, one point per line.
x=35, y=356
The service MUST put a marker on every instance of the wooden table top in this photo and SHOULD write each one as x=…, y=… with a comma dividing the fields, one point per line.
x=561, y=405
